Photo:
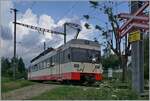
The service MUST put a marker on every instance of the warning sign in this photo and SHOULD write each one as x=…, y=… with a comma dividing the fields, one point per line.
x=134, y=36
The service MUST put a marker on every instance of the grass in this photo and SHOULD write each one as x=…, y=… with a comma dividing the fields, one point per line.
x=7, y=84
x=106, y=91
x=113, y=89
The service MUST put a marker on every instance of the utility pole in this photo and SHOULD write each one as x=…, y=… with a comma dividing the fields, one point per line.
x=137, y=55
x=65, y=33
x=44, y=45
x=14, y=59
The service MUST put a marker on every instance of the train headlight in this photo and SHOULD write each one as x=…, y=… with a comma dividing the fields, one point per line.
x=93, y=60
x=53, y=64
x=97, y=66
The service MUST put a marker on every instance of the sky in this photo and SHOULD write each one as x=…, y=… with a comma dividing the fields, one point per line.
x=51, y=15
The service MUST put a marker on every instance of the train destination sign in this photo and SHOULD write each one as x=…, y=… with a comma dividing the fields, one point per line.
x=134, y=36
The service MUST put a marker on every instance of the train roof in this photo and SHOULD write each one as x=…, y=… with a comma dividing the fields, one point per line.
x=43, y=53
x=83, y=41
x=73, y=41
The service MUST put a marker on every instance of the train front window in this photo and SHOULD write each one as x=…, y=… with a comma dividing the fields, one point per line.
x=85, y=55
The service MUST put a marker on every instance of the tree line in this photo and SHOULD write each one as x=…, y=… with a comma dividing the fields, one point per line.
x=7, y=68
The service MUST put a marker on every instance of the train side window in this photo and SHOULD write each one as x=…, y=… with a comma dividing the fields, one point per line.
x=61, y=57
x=64, y=56
x=36, y=68
x=50, y=61
x=69, y=56
x=57, y=58
x=40, y=65
x=53, y=61
x=44, y=64
x=47, y=63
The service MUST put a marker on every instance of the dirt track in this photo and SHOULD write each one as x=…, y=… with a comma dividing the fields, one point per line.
x=27, y=92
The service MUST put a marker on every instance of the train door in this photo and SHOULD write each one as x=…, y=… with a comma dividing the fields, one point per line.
x=59, y=61
x=50, y=66
x=59, y=64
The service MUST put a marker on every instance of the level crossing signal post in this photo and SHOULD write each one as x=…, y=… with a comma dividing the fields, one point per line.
x=136, y=25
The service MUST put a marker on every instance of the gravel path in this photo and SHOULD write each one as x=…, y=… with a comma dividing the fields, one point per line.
x=27, y=92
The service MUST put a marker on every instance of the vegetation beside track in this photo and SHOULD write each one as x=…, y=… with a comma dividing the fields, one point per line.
x=108, y=90
x=8, y=84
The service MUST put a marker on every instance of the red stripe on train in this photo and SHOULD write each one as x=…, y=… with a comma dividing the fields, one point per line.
x=66, y=76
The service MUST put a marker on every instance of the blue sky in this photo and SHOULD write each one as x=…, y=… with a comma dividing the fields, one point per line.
x=61, y=9
x=57, y=9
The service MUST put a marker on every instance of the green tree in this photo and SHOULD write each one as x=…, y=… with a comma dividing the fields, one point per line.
x=110, y=62
x=21, y=68
x=5, y=66
x=21, y=65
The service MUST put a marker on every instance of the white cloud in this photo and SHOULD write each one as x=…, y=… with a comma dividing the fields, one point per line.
x=48, y=23
x=5, y=18
x=86, y=33
x=5, y=33
x=27, y=18
x=5, y=15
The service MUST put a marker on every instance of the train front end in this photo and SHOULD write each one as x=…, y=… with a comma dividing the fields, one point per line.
x=85, y=61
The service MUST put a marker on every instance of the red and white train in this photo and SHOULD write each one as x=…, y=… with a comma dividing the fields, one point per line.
x=78, y=60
